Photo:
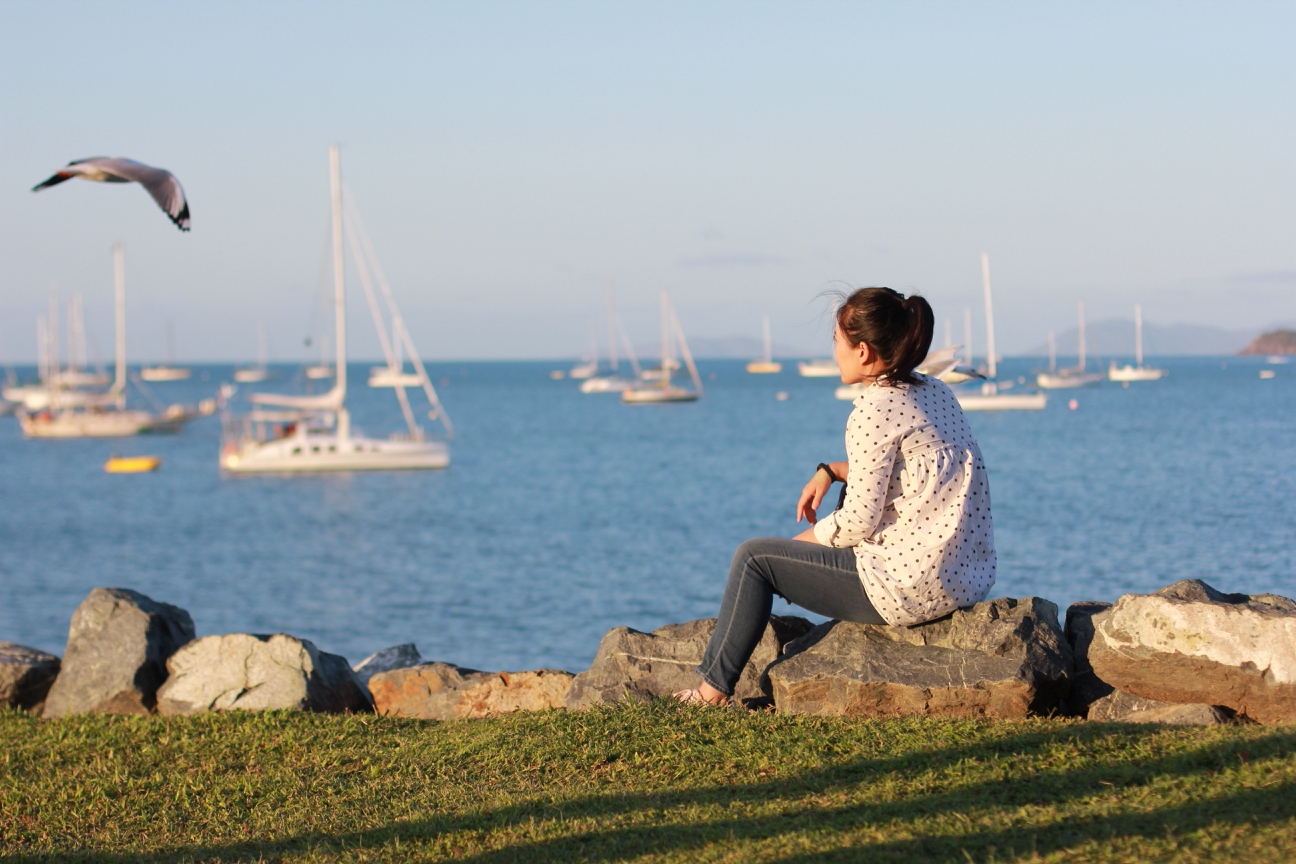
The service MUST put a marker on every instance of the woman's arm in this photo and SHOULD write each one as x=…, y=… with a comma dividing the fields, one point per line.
x=872, y=442
x=814, y=491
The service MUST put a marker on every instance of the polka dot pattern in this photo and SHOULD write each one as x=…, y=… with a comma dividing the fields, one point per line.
x=917, y=507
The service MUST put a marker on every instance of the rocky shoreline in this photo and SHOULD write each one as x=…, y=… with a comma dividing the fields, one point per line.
x=1186, y=654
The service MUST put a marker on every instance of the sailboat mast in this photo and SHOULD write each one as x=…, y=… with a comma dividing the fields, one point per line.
x=665, y=351
x=989, y=309
x=1138, y=335
x=1080, y=308
x=612, y=334
x=1052, y=353
x=339, y=294
x=967, y=335
x=56, y=352
x=119, y=274
x=769, y=354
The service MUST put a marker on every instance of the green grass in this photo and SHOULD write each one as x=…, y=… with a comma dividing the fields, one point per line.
x=655, y=782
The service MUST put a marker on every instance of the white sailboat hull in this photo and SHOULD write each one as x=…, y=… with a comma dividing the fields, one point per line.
x=95, y=424
x=1068, y=382
x=164, y=373
x=657, y=395
x=1002, y=401
x=314, y=454
x=251, y=376
x=609, y=384
x=818, y=369
x=1135, y=373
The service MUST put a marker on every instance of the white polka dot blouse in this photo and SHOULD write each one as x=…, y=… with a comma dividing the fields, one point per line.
x=917, y=507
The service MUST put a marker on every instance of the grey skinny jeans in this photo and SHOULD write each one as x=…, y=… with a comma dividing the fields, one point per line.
x=822, y=579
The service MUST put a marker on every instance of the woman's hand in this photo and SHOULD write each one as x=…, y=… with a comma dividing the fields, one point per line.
x=812, y=496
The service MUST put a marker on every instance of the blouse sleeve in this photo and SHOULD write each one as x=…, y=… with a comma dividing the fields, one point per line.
x=871, y=447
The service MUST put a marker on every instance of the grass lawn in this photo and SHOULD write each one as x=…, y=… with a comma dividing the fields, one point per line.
x=654, y=782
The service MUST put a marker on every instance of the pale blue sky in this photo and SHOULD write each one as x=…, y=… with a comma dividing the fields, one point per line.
x=512, y=159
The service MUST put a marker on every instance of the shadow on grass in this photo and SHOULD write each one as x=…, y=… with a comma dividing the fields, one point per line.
x=829, y=825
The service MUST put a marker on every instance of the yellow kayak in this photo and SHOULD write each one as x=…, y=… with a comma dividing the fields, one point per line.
x=132, y=464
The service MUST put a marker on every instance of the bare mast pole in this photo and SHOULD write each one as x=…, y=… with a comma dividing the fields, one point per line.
x=1138, y=335
x=339, y=296
x=119, y=274
x=989, y=309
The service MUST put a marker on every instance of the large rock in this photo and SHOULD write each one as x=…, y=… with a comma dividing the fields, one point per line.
x=395, y=657
x=117, y=649
x=258, y=673
x=1191, y=644
x=440, y=691
x=634, y=665
x=25, y=676
x=1000, y=658
x=1086, y=687
x=1121, y=707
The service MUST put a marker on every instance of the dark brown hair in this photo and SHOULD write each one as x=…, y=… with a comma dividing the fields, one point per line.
x=897, y=328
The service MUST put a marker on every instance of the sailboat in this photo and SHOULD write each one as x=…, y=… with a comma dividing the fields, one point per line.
x=77, y=414
x=940, y=363
x=312, y=434
x=989, y=398
x=663, y=390
x=1067, y=379
x=766, y=365
x=322, y=369
x=167, y=371
x=260, y=372
x=587, y=368
x=613, y=383
x=1137, y=372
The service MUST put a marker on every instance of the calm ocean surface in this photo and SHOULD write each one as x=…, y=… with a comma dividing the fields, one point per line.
x=563, y=514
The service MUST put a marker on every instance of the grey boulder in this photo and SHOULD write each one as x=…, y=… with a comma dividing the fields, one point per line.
x=1121, y=707
x=1000, y=658
x=1191, y=644
x=25, y=676
x=442, y=691
x=248, y=672
x=634, y=665
x=395, y=657
x=118, y=645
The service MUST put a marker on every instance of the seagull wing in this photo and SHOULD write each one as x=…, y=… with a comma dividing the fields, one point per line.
x=73, y=169
x=159, y=182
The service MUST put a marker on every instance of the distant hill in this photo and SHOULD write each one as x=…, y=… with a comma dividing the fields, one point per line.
x=1273, y=342
x=1114, y=337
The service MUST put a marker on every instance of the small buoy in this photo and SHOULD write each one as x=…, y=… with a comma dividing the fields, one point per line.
x=1266, y=373
x=781, y=396
x=1073, y=404
x=132, y=464
x=1125, y=384
x=557, y=374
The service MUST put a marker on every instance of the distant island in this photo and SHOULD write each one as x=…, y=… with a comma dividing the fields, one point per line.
x=1273, y=342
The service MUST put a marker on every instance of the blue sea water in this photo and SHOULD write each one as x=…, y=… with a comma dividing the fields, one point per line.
x=563, y=515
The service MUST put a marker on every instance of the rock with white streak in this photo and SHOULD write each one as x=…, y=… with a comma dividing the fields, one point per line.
x=1191, y=644
x=634, y=665
x=242, y=671
x=395, y=657
x=25, y=676
x=1000, y=658
x=442, y=691
x=117, y=649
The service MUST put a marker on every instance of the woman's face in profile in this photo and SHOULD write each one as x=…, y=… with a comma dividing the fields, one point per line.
x=847, y=357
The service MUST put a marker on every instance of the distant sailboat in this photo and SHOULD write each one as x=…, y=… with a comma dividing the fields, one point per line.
x=312, y=434
x=260, y=372
x=77, y=414
x=989, y=398
x=1067, y=379
x=587, y=368
x=663, y=390
x=766, y=365
x=942, y=364
x=613, y=383
x=168, y=371
x=818, y=369
x=1137, y=372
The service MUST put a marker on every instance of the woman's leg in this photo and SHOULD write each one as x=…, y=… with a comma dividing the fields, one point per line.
x=819, y=578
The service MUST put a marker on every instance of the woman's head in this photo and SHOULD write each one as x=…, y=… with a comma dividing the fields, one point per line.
x=896, y=329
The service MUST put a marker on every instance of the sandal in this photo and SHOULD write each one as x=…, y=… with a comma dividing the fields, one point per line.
x=695, y=697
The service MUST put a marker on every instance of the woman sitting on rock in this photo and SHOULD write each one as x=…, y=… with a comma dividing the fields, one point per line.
x=911, y=539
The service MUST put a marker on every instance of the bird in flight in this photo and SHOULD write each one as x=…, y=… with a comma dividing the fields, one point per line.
x=159, y=182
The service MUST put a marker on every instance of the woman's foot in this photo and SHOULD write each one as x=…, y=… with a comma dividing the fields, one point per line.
x=704, y=694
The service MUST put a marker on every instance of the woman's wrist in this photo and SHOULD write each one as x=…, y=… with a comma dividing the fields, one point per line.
x=827, y=469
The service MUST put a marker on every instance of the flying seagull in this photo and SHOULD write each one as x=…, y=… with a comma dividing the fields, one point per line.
x=160, y=183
